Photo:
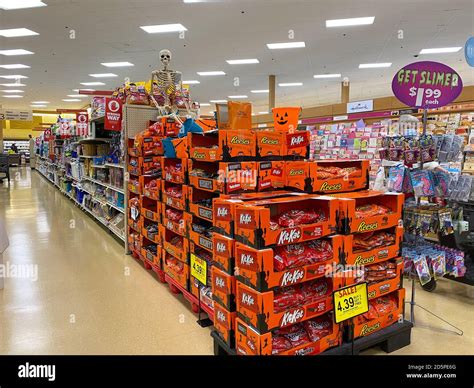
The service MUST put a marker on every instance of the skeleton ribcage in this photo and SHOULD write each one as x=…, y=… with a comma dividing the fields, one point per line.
x=168, y=81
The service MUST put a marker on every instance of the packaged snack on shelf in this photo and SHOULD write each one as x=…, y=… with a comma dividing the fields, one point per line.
x=174, y=195
x=273, y=144
x=174, y=170
x=383, y=312
x=287, y=265
x=201, y=240
x=283, y=221
x=176, y=269
x=204, y=146
x=238, y=144
x=224, y=208
x=170, y=126
x=205, y=294
x=396, y=175
x=285, y=306
x=373, y=247
x=175, y=245
x=223, y=288
x=134, y=185
x=271, y=175
x=150, y=208
x=151, y=231
x=224, y=323
x=151, y=251
x=150, y=165
x=175, y=220
x=151, y=187
x=200, y=203
x=308, y=338
x=224, y=252
x=368, y=211
x=205, y=176
x=133, y=166
x=238, y=177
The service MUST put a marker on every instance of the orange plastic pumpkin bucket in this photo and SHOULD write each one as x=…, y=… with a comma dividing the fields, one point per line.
x=286, y=118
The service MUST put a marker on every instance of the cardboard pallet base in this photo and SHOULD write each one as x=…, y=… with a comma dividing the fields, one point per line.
x=389, y=339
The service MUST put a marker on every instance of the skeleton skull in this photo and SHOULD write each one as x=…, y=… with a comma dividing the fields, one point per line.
x=165, y=57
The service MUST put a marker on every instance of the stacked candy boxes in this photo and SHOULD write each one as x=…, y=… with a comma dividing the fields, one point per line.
x=372, y=246
x=284, y=256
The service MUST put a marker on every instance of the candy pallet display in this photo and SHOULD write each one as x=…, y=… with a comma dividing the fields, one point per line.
x=175, y=245
x=174, y=195
x=275, y=145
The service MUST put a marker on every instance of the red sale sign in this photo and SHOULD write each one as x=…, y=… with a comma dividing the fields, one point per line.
x=113, y=114
x=82, y=124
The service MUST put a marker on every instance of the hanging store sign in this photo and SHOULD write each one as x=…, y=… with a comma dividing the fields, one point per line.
x=360, y=106
x=113, y=114
x=426, y=85
x=82, y=124
x=20, y=115
x=469, y=51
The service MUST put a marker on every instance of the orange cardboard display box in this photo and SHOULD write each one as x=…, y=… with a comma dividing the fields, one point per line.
x=223, y=288
x=133, y=166
x=364, y=327
x=179, y=227
x=170, y=126
x=151, y=145
x=181, y=147
x=199, y=240
x=204, y=146
x=134, y=241
x=176, y=270
x=334, y=176
x=375, y=255
x=368, y=211
x=271, y=175
x=194, y=198
x=150, y=208
x=250, y=342
x=151, y=187
x=210, y=181
x=179, y=250
x=258, y=308
x=174, y=195
x=174, y=170
x=151, y=258
x=134, y=186
x=298, y=175
x=278, y=144
x=136, y=224
x=259, y=224
x=256, y=268
x=150, y=164
x=238, y=177
x=224, y=252
x=238, y=144
x=152, y=236
x=223, y=208
x=224, y=323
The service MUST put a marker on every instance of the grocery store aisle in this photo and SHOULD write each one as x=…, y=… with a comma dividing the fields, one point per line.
x=82, y=301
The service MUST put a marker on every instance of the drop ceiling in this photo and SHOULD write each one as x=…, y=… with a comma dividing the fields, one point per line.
x=109, y=31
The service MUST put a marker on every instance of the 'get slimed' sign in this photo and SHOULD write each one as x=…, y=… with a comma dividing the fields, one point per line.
x=426, y=85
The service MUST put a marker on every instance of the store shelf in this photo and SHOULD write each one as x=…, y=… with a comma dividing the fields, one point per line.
x=104, y=184
x=99, y=166
x=114, y=165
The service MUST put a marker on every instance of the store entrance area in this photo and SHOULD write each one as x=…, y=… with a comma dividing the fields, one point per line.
x=88, y=297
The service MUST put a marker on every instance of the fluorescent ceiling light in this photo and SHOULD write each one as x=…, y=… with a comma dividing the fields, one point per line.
x=18, y=4
x=161, y=28
x=103, y=75
x=13, y=84
x=192, y=1
x=15, y=52
x=291, y=84
x=12, y=91
x=209, y=73
x=14, y=76
x=441, y=50
x=40, y=102
x=374, y=65
x=262, y=113
x=218, y=101
x=71, y=100
x=326, y=76
x=117, y=64
x=242, y=61
x=260, y=91
x=92, y=83
x=85, y=90
x=16, y=66
x=38, y=106
x=15, y=32
x=204, y=104
x=350, y=22
x=287, y=45
x=191, y=82
x=12, y=96
x=77, y=95
x=239, y=96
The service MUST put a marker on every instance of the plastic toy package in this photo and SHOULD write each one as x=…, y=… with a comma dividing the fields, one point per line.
x=422, y=269
x=442, y=180
x=461, y=188
x=395, y=179
x=423, y=183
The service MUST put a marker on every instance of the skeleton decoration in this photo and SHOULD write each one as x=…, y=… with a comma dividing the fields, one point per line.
x=166, y=82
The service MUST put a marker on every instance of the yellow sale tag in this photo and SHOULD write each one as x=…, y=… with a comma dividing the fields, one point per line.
x=199, y=269
x=349, y=302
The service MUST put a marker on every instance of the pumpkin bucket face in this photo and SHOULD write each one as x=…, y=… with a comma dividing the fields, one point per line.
x=286, y=118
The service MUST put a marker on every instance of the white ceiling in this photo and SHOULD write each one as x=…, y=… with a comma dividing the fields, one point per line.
x=108, y=31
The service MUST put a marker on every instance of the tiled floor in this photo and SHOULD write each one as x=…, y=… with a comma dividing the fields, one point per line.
x=84, y=303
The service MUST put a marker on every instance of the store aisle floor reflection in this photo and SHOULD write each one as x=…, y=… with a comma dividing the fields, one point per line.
x=82, y=302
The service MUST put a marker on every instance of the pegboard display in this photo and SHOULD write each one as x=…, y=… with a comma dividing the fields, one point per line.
x=136, y=117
